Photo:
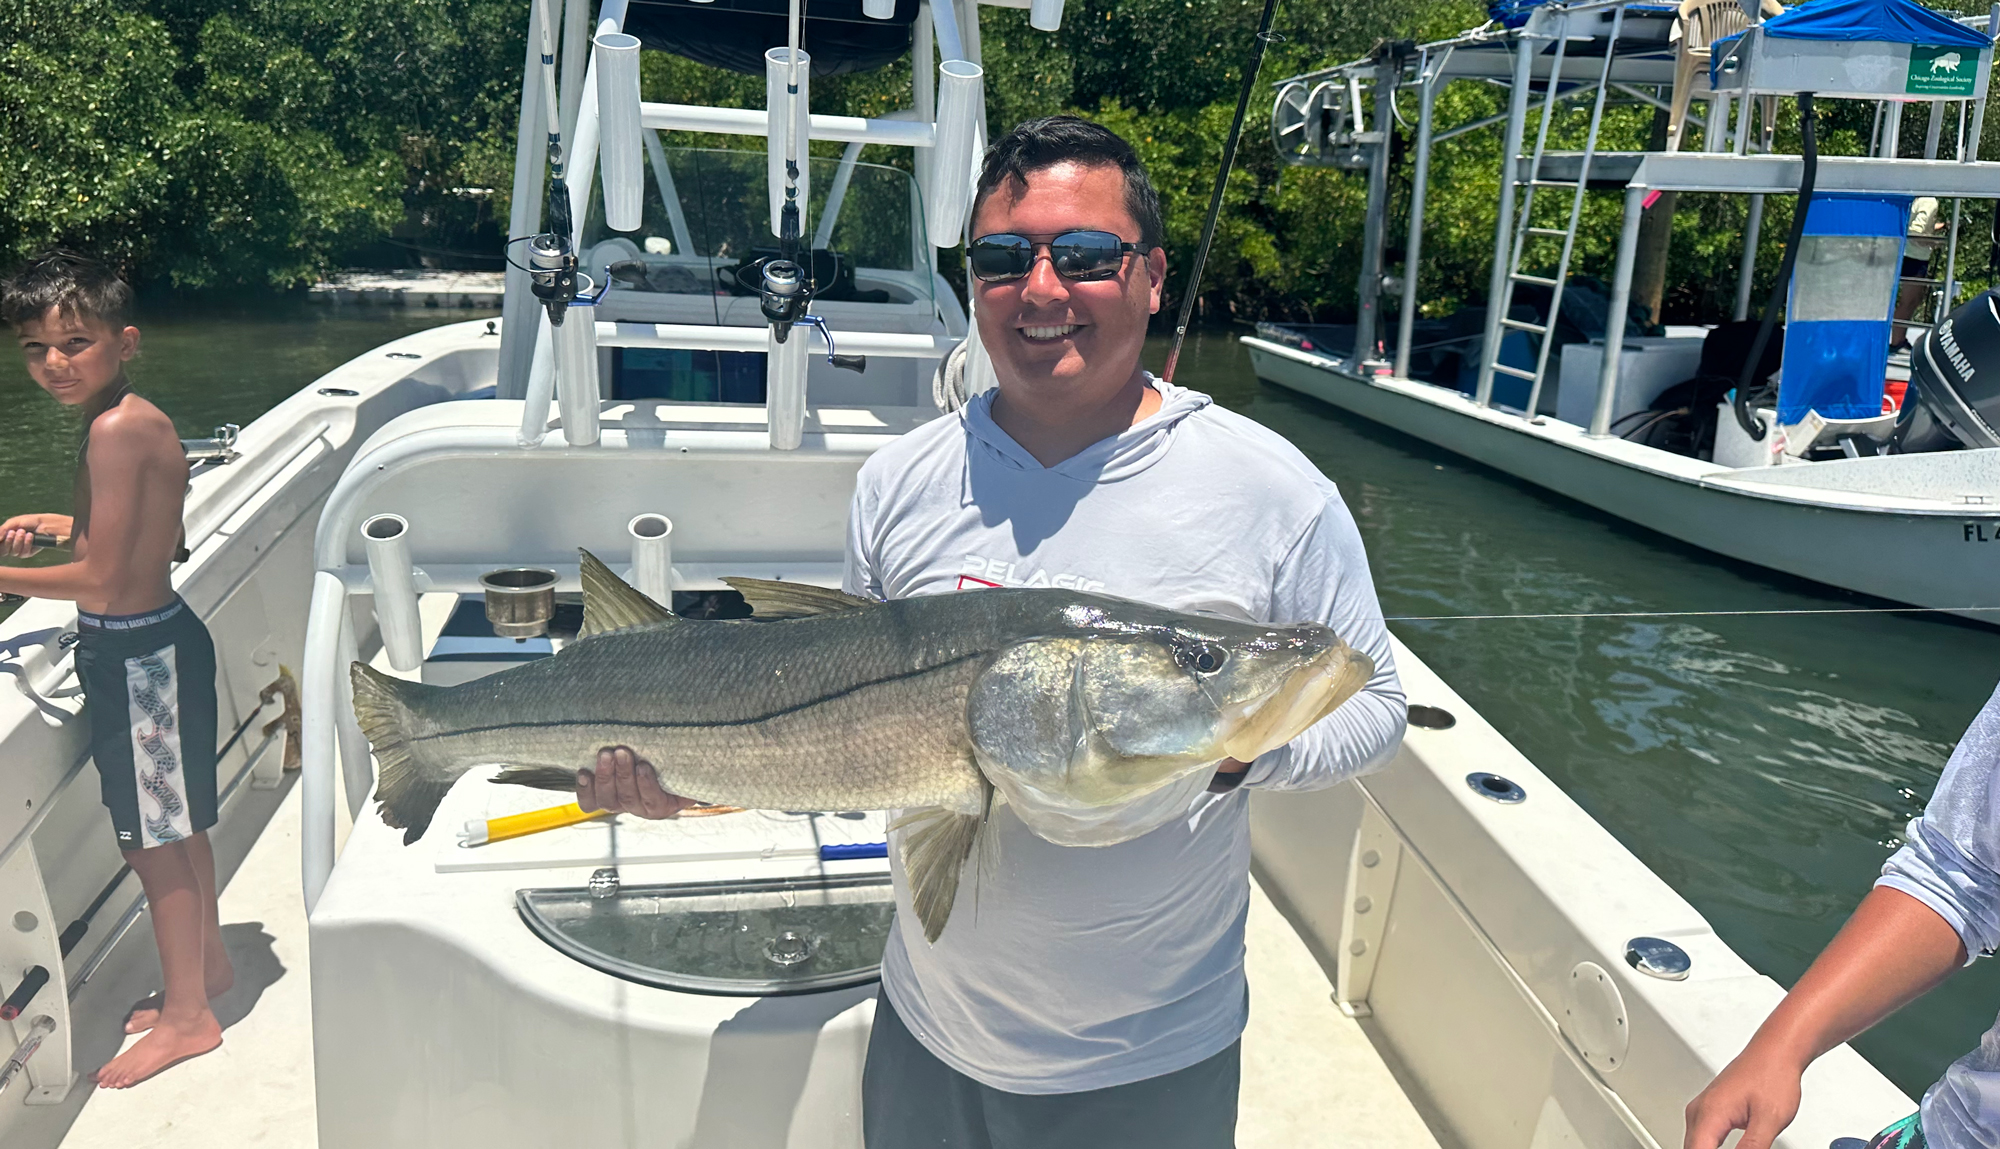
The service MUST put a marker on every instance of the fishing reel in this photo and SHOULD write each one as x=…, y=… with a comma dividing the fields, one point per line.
x=552, y=272
x=783, y=294
x=552, y=261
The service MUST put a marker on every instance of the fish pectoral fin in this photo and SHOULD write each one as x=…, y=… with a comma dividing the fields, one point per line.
x=538, y=777
x=771, y=599
x=934, y=848
x=610, y=603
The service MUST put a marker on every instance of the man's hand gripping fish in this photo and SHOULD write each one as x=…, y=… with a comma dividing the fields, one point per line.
x=1066, y=704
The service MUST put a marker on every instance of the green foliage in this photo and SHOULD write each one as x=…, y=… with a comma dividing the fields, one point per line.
x=254, y=143
x=259, y=142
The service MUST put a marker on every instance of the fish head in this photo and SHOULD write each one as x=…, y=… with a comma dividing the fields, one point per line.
x=1075, y=724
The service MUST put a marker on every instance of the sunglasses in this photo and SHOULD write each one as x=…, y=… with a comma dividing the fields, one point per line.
x=1082, y=256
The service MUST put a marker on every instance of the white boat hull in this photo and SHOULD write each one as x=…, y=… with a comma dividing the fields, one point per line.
x=1910, y=545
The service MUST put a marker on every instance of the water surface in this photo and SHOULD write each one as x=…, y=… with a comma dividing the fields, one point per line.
x=1765, y=767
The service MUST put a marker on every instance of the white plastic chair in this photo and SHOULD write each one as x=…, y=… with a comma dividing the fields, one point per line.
x=1702, y=23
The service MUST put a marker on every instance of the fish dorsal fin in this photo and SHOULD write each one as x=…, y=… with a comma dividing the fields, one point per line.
x=610, y=603
x=771, y=599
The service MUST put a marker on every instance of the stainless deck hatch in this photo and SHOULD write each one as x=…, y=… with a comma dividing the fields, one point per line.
x=748, y=938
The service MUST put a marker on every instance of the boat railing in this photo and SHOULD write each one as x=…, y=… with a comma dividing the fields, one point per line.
x=1537, y=61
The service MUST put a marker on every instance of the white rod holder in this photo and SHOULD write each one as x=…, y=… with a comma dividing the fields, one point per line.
x=958, y=112
x=395, y=585
x=1045, y=15
x=653, y=555
x=778, y=105
x=541, y=381
x=619, y=148
x=785, y=387
x=576, y=375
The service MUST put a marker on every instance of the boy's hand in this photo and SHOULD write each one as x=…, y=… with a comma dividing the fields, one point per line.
x=1758, y=1093
x=17, y=535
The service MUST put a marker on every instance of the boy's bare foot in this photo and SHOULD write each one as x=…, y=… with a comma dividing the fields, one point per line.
x=145, y=1013
x=170, y=1042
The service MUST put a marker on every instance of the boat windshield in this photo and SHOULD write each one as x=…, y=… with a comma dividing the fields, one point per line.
x=864, y=221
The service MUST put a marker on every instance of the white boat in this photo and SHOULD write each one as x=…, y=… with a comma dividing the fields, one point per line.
x=1450, y=952
x=1915, y=528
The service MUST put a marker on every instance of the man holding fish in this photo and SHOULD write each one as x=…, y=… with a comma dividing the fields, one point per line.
x=1090, y=997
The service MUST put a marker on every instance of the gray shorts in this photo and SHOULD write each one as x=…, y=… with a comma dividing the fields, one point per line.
x=910, y=1099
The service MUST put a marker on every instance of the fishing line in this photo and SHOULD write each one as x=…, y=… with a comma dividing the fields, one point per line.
x=1694, y=613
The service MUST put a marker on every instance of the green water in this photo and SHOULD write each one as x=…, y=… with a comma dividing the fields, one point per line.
x=1763, y=766
x=206, y=363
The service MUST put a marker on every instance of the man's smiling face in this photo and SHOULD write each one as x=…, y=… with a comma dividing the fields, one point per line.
x=1044, y=330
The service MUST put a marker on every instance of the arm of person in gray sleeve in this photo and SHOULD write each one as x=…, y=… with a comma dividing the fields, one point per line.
x=860, y=576
x=1952, y=861
x=1325, y=578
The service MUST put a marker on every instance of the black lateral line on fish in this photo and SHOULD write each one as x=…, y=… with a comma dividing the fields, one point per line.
x=644, y=725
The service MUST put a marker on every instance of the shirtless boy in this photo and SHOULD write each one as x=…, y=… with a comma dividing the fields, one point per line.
x=147, y=664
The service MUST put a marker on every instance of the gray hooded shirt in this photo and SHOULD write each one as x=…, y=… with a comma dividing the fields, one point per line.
x=1952, y=865
x=1070, y=968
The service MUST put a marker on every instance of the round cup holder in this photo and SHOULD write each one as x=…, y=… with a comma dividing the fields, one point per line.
x=520, y=601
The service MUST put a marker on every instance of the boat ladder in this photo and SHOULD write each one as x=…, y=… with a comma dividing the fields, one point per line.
x=1531, y=240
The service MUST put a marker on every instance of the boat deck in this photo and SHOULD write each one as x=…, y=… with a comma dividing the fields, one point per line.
x=1307, y=1069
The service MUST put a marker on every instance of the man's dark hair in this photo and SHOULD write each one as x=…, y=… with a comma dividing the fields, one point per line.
x=1051, y=140
x=73, y=283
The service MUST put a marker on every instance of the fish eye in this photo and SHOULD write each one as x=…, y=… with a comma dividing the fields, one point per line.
x=1202, y=658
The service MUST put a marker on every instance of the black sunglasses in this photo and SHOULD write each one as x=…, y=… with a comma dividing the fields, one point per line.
x=1084, y=256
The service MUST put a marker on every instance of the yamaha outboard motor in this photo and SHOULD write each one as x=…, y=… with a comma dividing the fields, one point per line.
x=1955, y=370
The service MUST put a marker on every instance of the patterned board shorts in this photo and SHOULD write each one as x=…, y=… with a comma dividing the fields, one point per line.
x=1905, y=1134
x=150, y=681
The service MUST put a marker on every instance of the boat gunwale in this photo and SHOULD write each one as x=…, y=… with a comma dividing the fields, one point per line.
x=1695, y=473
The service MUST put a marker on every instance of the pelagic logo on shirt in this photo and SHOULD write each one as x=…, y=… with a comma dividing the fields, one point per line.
x=976, y=572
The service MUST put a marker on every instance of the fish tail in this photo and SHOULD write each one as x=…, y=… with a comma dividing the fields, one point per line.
x=934, y=851
x=539, y=777
x=406, y=794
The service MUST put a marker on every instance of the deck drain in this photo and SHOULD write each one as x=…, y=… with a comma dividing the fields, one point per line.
x=1495, y=787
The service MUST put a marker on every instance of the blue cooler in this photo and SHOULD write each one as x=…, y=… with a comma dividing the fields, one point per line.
x=1843, y=294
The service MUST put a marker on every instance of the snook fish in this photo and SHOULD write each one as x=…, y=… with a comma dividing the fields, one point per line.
x=1063, y=702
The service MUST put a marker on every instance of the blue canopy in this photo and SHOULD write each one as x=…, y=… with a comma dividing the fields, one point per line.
x=1897, y=21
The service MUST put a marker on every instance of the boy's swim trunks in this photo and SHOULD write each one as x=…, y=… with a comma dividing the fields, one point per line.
x=150, y=680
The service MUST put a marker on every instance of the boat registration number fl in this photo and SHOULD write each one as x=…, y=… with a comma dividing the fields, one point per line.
x=1982, y=532
x=1941, y=70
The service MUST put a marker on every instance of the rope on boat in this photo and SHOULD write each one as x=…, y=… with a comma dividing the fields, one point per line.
x=1264, y=36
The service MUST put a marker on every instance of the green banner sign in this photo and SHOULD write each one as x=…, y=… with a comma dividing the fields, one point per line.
x=1936, y=70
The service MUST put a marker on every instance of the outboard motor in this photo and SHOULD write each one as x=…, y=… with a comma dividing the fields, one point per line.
x=1955, y=369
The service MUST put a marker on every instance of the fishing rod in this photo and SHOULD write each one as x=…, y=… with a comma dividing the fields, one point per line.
x=551, y=255
x=785, y=289
x=1264, y=36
